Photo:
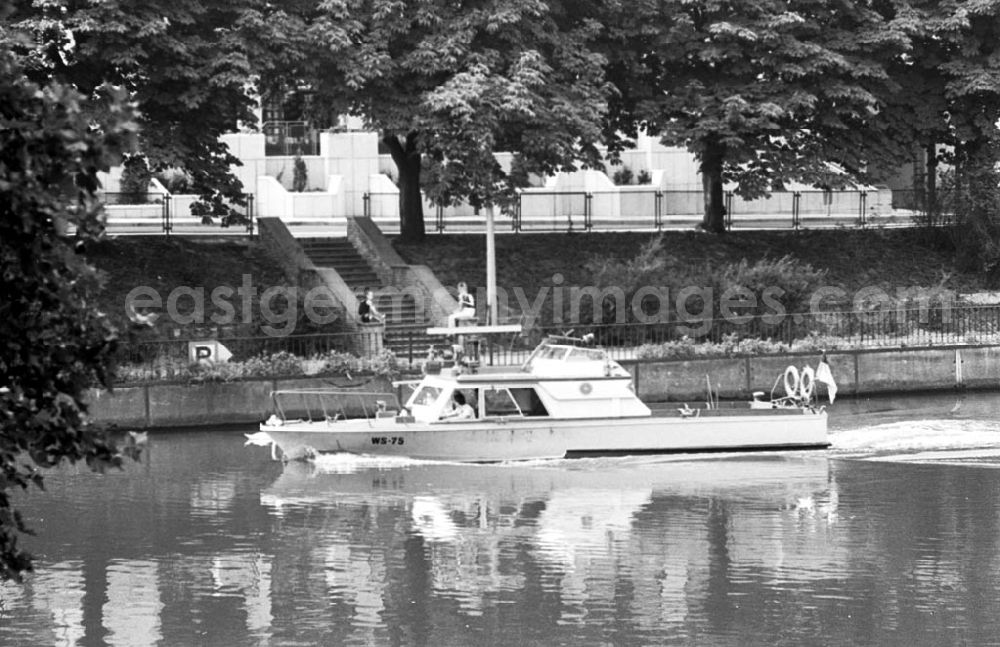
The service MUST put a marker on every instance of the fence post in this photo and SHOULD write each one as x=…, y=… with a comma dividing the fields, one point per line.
x=796, y=205
x=366, y=199
x=729, y=210
x=658, y=210
x=862, y=215
x=569, y=211
x=166, y=214
x=439, y=219
x=516, y=220
x=588, y=205
x=250, y=214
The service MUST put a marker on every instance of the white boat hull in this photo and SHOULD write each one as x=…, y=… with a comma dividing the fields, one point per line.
x=520, y=438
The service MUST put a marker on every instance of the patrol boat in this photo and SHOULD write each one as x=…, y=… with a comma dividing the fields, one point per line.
x=569, y=399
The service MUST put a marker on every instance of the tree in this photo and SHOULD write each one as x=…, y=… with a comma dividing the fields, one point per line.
x=966, y=58
x=54, y=345
x=449, y=83
x=948, y=105
x=762, y=92
x=188, y=64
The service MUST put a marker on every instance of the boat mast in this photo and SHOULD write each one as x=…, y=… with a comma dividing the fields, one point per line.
x=491, y=269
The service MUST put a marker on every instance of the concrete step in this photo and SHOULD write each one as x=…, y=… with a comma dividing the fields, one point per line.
x=341, y=255
x=341, y=261
x=326, y=248
x=359, y=283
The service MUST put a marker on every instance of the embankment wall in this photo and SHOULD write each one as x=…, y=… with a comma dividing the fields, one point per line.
x=867, y=372
x=862, y=372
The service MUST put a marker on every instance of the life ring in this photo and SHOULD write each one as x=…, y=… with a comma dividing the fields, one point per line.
x=585, y=388
x=791, y=381
x=807, y=383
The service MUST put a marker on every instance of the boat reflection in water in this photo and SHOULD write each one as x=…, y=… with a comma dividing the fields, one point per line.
x=585, y=530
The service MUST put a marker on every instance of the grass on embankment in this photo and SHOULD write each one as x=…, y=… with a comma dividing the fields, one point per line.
x=853, y=259
x=166, y=264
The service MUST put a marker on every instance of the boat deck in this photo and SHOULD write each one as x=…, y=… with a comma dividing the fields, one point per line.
x=671, y=410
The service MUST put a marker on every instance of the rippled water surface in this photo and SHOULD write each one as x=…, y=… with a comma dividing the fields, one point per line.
x=891, y=537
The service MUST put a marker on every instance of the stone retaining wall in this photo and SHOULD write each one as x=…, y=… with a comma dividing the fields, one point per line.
x=864, y=372
x=868, y=372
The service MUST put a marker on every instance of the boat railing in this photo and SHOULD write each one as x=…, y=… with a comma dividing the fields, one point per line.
x=334, y=404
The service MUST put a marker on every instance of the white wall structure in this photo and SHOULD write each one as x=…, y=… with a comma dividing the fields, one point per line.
x=350, y=178
x=354, y=157
x=249, y=148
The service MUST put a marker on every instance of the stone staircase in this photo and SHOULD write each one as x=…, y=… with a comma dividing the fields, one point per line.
x=341, y=255
x=405, y=331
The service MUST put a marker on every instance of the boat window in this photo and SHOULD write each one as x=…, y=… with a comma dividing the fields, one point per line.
x=499, y=402
x=586, y=355
x=553, y=352
x=528, y=401
x=426, y=396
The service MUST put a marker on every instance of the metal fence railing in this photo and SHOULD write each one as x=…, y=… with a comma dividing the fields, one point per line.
x=877, y=328
x=297, y=355
x=290, y=138
x=635, y=208
x=163, y=213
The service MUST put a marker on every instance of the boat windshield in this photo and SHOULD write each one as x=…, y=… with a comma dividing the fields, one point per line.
x=586, y=355
x=426, y=396
x=549, y=354
x=552, y=352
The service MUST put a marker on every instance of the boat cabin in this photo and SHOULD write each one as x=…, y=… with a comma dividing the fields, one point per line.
x=561, y=379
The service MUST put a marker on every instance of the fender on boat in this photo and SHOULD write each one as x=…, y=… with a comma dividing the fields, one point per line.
x=791, y=381
x=807, y=381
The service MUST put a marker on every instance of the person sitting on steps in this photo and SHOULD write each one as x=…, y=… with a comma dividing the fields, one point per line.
x=367, y=312
x=466, y=306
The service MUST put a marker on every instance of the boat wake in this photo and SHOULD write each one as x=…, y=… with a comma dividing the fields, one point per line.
x=351, y=463
x=343, y=463
x=937, y=441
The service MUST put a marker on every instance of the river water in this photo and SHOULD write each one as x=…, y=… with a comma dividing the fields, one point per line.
x=892, y=537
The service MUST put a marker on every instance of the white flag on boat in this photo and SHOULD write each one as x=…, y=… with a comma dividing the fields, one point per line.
x=825, y=375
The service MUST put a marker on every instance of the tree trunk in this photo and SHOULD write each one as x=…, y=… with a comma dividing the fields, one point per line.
x=930, y=184
x=411, y=202
x=711, y=178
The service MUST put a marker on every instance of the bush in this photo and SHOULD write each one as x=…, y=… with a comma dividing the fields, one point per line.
x=769, y=291
x=135, y=180
x=787, y=282
x=973, y=196
x=731, y=345
x=622, y=176
x=300, y=179
x=687, y=348
x=280, y=364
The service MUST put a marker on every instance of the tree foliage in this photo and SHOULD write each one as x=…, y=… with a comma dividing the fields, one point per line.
x=450, y=83
x=762, y=92
x=54, y=345
x=188, y=64
x=949, y=107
